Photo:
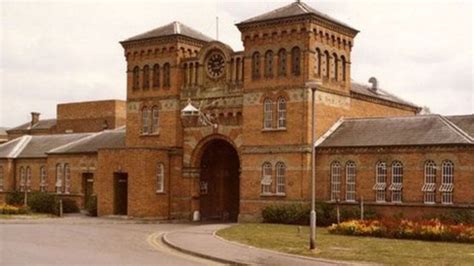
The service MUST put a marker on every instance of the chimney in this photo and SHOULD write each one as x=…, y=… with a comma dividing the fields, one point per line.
x=35, y=117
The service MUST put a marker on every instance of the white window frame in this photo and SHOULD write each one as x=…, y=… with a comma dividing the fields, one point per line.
x=160, y=178
x=396, y=186
x=28, y=178
x=350, y=181
x=266, y=182
x=145, y=120
x=447, y=182
x=22, y=179
x=67, y=178
x=267, y=113
x=42, y=183
x=335, y=181
x=380, y=182
x=280, y=178
x=429, y=187
x=155, y=120
x=59, y=178
x=281, y=106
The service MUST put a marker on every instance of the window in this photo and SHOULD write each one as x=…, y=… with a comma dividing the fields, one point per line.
x=156, y=76
x=280, y=178
x=160, y=178
x=282, y=63
x=327, y=58
x=166, y=75
x=447, y=183
x=295, y=61
x=266, y=178
x=42, y=179
x=335, y=181
x=2, y=179
x=155, y=120
x=256, y=65
x=281, y=112
x=269, y=64
x=397, y=181
x=59, y=178
x=318, y=62
x=429, y=188
x=336, y=70
x=343, y=63
x=380, y=181
x=67, y=179
x=350, y=181
x=146, y=77
x=22, y=179
x=267, y=113
x=28, y=178
x=145, y=116
x=136, y=78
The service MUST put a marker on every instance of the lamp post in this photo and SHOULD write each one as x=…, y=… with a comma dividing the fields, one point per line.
x=312, y=238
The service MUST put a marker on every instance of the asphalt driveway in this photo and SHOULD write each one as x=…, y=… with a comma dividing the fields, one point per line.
x=89, y=242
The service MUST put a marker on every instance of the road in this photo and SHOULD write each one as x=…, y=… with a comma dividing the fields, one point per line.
x=89, y=244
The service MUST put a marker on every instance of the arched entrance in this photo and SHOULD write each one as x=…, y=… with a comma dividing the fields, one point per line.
x=219, y=181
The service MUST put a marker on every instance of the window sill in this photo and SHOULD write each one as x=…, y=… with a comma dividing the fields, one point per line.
x=274, y=129
x=272, y=195
x=160, y=193
x=149, y=134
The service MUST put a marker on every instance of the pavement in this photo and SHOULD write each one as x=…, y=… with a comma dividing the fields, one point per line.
x=200, y=240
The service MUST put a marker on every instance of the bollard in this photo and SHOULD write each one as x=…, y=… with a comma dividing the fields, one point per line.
x=60, y=208
x=362, y=208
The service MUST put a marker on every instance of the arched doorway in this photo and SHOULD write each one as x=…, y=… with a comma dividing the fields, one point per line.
x=219, y=181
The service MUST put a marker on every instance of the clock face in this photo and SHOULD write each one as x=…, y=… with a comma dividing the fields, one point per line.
x=215, y=65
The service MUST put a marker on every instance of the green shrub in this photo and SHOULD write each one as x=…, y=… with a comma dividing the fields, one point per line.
x=91, y=206
x=15, y=198
x=42, y=202
x=286, y=214
x=70, y=206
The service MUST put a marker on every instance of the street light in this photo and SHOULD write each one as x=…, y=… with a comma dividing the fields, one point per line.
x=313, y=85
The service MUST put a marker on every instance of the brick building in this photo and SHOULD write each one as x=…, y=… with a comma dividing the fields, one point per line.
x=225, y=133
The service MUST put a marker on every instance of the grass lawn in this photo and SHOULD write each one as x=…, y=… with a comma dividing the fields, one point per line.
x=285, y=238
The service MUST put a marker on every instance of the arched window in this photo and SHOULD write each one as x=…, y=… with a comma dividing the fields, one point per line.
x=166, y=75
x=318, y=62
x=328, y=63
x=28, y=178
x=281, y=112
x=397, y=181
x=380, y=181
x=269, y=64
x=145, y=117
x=336, y=67
x=155, y=120
x=296, y=61
x=42, y=179
x=256, y=65
x=266, y=178
x=335, y=180
x=280, y=178
x=160, y=178
x=146, y=77
x=156, y=76
x=67, y=179
x=350, y=181
x=22, y=179
x=267, y=113
x=237, y=69
x=136, y=78
x=2, y=179
x=343, y=63
x=282, y=63
x=447, y=183
x=59, y=178
x=429, y=187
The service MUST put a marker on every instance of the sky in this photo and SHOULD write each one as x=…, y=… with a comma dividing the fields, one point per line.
x=66, y=51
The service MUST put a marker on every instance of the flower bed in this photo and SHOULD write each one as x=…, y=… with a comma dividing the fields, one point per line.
x=10, y=209
x=423, y=230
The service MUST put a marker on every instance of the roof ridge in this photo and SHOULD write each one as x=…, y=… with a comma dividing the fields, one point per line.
x=456, y=129
x=390, y=117
x=20, y=146
x=75, y=142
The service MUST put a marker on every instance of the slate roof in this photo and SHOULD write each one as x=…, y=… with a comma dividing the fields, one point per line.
x=42, y=124
x=36, y=146
x=3, y=133
x=105, y=139
x=380, y=94
x=464, y=122
x=292, y=10
x=395, y=131
x=174, y=28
